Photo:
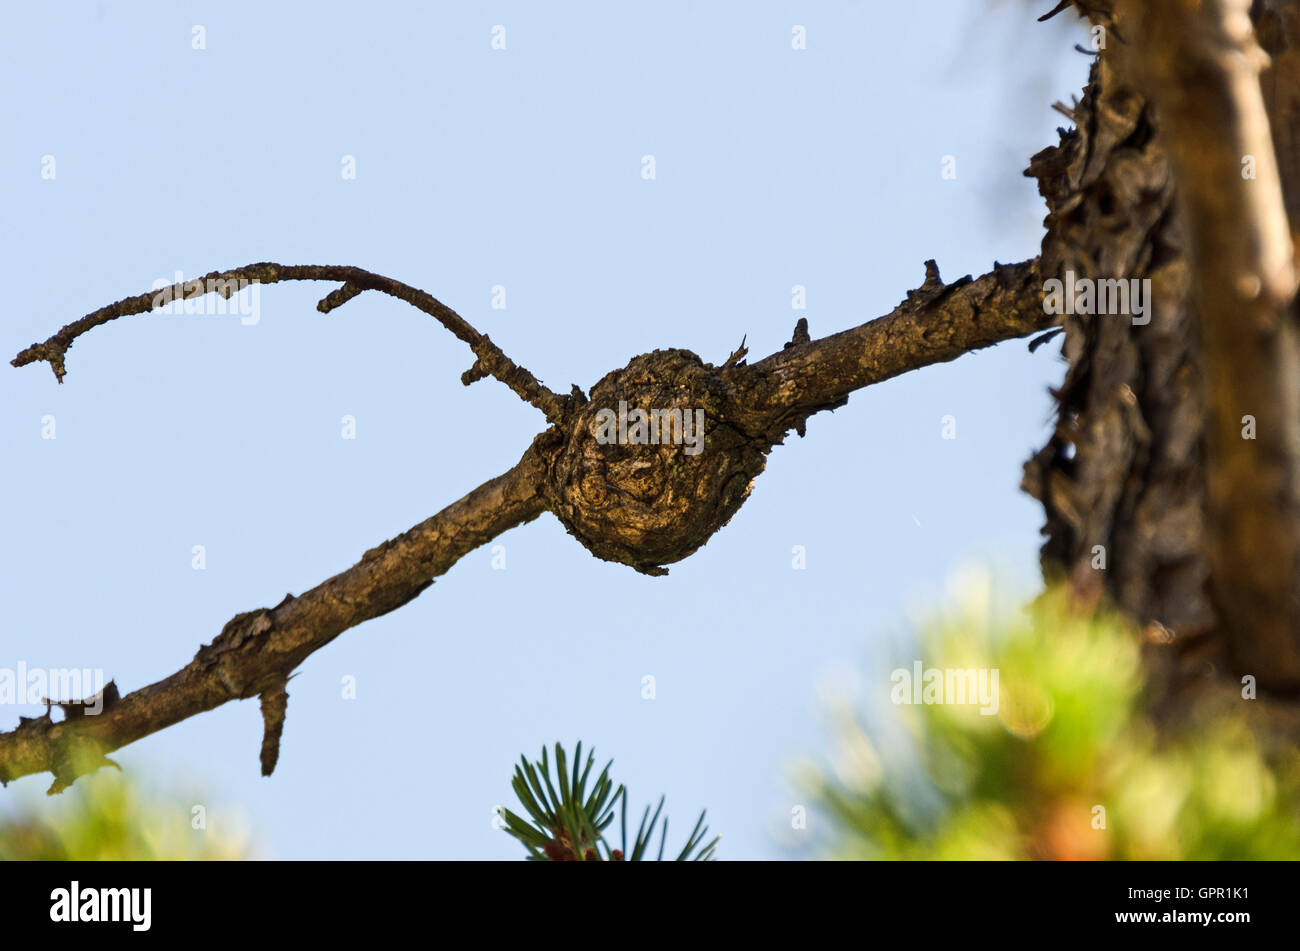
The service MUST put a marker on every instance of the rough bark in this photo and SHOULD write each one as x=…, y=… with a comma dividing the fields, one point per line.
x=1130, y=467
x=641, y=505
x=1202, y=67
x=1120, y=478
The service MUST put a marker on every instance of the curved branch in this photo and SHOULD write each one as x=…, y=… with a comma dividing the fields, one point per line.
x=490, y=360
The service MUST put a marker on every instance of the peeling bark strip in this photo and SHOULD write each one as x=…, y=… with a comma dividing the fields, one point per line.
x=1202, y=65
x=1123, y=480
x=643, y=506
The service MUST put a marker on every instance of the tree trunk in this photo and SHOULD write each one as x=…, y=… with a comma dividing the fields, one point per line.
x=1132, y=480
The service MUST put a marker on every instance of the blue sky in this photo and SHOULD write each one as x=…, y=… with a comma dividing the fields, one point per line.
x=521, y=168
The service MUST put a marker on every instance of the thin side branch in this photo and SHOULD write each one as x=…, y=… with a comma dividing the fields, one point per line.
x=275, y=704
x=490, y=360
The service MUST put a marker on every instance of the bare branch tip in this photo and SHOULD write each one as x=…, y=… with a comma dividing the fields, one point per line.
x=737, y=358
x=475, y=373
x=338, y=297
x=801, y=334
x=47, y=352
x=1064, y=4
x=275, y=703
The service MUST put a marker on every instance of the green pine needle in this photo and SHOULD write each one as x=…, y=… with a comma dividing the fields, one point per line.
x=569, y=824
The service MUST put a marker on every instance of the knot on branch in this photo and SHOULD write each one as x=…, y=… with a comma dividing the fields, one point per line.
x=801, y=335
x=246, y=629
x=654, y=463
x=933, y=289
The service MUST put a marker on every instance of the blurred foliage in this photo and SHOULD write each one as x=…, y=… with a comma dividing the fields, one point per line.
x=1070, y=738
x=104, y=817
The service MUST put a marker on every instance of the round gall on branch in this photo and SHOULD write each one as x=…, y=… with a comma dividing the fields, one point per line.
x=654, y=463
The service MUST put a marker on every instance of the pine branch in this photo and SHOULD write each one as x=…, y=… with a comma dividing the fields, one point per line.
x=569, y=826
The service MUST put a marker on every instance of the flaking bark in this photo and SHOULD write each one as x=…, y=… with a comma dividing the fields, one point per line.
x=1142, y=430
